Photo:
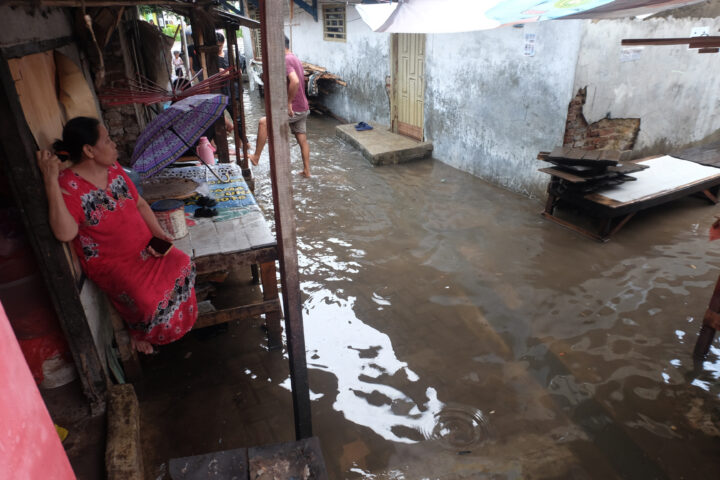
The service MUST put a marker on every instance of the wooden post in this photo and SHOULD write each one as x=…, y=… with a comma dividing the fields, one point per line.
x=18, y=148
x=273, y=43
x=239, y=108
x=711, y=322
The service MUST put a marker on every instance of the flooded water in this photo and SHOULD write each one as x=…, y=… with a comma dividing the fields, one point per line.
x=452, y=333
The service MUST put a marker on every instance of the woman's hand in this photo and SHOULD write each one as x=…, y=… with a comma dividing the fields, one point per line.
x=49, y=164
x=154, y=253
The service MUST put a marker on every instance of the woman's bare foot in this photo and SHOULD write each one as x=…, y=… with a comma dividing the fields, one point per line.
x=305, y=173
x=254, y=159
x=142, y=346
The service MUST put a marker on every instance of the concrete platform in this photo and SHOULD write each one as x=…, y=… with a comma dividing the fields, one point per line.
x=382, y=147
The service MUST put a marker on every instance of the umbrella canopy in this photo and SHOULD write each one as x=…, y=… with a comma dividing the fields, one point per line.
x=174, y=131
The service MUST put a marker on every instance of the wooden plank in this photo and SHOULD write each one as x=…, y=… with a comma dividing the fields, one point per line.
x=273, y=48
x=216, y=262
x=613, y=155
x=23, y=49
x=302, y=459
x=237, y=313
x=268, y=276
x=564, y=175
x=709, y=50
x=592, y=155
x=18, y=147
x=656, y=41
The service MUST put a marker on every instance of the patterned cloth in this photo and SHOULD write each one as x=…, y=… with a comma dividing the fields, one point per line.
x=155, y=296
x=234, y=199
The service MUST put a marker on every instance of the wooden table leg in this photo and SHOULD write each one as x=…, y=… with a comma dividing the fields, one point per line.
x=711, y=322
x=270, y=292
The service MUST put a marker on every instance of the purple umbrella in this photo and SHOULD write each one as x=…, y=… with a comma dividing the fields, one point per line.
x=174, y=131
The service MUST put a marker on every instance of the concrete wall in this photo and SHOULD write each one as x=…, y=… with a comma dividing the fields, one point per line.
x=674, y=91
x=489, y=109
x=27, y=24
x=363, y=61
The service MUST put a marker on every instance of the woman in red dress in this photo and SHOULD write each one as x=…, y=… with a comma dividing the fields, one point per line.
x=94, y=204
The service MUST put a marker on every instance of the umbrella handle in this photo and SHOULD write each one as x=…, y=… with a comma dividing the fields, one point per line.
x=227, y=177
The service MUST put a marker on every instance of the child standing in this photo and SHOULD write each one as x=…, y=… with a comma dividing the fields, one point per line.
x=177, y=64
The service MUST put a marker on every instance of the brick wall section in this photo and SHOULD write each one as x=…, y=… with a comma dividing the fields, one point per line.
x=576, y=125
x=605, y=134
x=121, y=120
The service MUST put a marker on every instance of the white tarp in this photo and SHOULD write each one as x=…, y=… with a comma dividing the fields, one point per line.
x=450, y=16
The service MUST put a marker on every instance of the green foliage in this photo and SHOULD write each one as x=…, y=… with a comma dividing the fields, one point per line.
x=169, y=30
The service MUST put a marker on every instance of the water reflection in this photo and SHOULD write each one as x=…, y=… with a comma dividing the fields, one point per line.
x=359, y=355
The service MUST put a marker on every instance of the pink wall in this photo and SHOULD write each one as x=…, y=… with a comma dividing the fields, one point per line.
x=30, y=448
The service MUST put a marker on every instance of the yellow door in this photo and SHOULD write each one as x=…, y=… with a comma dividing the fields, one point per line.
x=409, y=83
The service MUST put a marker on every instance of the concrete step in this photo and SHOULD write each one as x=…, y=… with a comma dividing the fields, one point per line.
x=381, y=146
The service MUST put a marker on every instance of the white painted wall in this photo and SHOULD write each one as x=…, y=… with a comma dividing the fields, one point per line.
x=363, y=61
x=674, y=91
x=490, y=109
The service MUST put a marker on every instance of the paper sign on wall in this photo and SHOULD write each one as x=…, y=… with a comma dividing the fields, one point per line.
x=529, y=50
x=630, y=54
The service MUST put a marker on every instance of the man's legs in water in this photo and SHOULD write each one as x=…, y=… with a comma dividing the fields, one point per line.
x=260, y=142
x=305, y=152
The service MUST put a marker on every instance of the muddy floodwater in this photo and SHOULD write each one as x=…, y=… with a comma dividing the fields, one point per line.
x=452, y=333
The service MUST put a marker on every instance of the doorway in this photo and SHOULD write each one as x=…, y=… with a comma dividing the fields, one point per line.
x=408, y=60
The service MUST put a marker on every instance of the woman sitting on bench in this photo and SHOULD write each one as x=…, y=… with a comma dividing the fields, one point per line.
x=94, y=204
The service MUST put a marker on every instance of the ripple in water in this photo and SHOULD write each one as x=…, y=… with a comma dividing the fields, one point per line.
x=458, y=427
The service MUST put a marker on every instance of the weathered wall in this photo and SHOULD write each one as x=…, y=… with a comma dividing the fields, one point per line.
x=675, y=92
x=489, y=109
x=27, y=24
x=363, y=61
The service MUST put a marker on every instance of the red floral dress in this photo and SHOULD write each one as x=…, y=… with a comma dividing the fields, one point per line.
x=155, y=296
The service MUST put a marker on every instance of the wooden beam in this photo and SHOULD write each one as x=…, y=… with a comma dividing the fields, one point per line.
x=16, y=51
x=220, y=261
x=692, y=42
x=273, y=43
x=236, y=313
x=18, y=148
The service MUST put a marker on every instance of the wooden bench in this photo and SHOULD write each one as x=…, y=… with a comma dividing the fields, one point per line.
x=614, y=213
x=242, y=241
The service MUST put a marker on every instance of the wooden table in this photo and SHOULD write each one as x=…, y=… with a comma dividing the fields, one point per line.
x=243, y=241
x=614, y=213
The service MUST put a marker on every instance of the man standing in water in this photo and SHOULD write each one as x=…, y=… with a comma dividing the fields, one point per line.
x=298, y=110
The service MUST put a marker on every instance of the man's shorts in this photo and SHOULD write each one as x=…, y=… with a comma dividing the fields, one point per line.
x=298, y=121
